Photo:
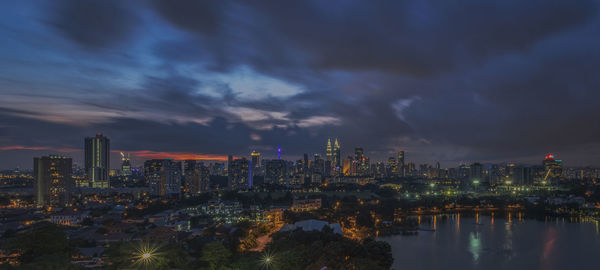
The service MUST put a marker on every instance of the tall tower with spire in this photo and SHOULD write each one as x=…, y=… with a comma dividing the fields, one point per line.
x=336, y=154
x=329, y=153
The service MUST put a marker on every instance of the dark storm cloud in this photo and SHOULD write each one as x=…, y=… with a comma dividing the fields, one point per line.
x=445, y=80
x=202, y=16
x=521, y=104
x=417, y=37
x=93, y=24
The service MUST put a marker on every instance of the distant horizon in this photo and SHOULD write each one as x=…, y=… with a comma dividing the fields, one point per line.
x=138, y=157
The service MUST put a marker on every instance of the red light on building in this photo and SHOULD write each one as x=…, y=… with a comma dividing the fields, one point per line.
x=550, y=156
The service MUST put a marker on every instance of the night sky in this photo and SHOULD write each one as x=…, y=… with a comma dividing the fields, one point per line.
x=449, y=81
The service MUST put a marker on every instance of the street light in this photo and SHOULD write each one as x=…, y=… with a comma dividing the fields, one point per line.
x=145, y=254
x=267, y=260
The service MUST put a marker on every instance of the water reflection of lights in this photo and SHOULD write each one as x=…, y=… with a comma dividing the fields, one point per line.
x=457, y=222
x=475, y=246
x=508, y=239
x=549, y=240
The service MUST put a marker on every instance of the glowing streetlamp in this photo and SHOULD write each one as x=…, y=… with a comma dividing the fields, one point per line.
x=267, y=260
x=145, y=255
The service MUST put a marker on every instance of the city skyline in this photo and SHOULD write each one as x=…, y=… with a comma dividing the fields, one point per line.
x=79, y=158
x=143, y=156
x=480, y=82
x=96, y=148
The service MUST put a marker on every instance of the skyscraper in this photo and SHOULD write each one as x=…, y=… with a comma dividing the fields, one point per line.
x=400, y=167
x=393, y=165
x=336, y=154
x=239, y=173
x=191, y=176
x=329, y=151
x=477, y=173
x=317, y=169
x=254, y=167
x=552, y=169
x=358, y=154
x=97, y=160
x=125, y=165
x=255, y=159
x=276, y=172
x=164, y=176
x=204, y=177
x=53, y=180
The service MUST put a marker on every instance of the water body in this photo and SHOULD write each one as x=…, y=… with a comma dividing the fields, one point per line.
x=510, y=242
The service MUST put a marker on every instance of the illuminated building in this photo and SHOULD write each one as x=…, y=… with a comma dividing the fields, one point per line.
x=495, y=175
x=365, y=166
x=53, y=180
x=276, y=172
x=329, y=151
x=347, y=168
x=410, y=169
x=299, y=205
x=255, y=166
x=204, y=177
x=552, y=169
x=380, y=170
x=464, y=171
x=332, y=159
x=360, y=163
x=522, y=176
x=305, y=165
x=164, y=176
x=125, y=165
x=358, y=154
x=476, y=174
x=317, y=169
x=191, y=176
x=218, y=169
x=400, y=166
x=336, y=154
x=393, y=166
x=97, y=160
x=239, y=173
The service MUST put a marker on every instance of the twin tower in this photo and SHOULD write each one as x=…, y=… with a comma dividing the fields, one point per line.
x=333, y=154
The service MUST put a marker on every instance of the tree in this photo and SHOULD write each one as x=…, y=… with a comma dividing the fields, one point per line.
x=313, y=250
x=43, y=247
x=216, y=255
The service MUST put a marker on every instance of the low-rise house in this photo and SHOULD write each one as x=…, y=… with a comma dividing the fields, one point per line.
x=68, y=217
x=274, y=215
x=305, y=204
x=223, y=211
